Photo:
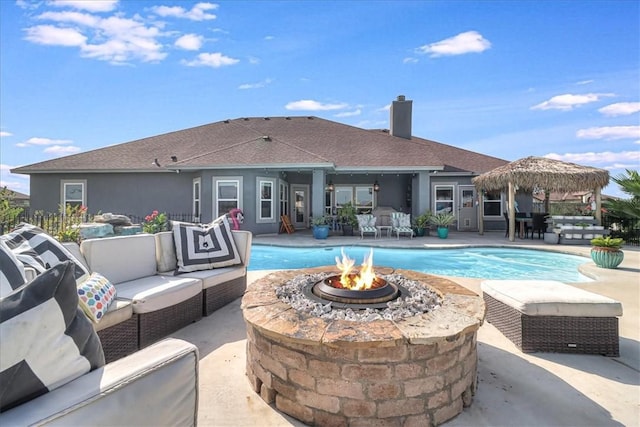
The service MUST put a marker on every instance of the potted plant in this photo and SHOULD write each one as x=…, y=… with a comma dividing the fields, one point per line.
x=320, y=227
x=421, y=224
x=606, y=251
x=347, y=218
x=443, y=221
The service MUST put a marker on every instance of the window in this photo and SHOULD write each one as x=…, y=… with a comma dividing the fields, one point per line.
x=328, y=202
x=265, y=203
x=227, y=195
x=444, y=199
x=364, y=198
x=492, y=203
x=284, y=198
x=196, y=200
x=343, y=195
x=73, y=194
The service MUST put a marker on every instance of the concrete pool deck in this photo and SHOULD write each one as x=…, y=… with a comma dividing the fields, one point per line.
x=514, y=388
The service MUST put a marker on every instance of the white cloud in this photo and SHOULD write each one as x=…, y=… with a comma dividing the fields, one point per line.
x=92, y=6
x=597, y=158
x=255, y=85
x=60, y=150
x=215, y=60
x=409, y=60
x=4, y=133
x=84, y=19
x=311, y=105
x=36, y=141
x=197, y=12
x=349, y=113
x=568, y=101
x=609, y=132
x=189, y=42
x=56, y=36
x=584, y=82
x=467, y=42
x=620, y=109
x=115, y=39
x=269, y=37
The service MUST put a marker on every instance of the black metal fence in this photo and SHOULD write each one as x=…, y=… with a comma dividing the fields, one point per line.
x=55, y=223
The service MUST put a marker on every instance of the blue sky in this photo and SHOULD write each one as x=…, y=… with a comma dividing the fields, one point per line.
x=505, y=78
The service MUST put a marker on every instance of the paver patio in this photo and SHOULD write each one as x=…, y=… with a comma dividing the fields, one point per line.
x=535, y=389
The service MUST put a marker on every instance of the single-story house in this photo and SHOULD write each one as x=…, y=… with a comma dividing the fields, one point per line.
x=270, y=166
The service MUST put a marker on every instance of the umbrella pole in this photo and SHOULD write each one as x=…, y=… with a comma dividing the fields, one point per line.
x=512, y=212
x=598, y=212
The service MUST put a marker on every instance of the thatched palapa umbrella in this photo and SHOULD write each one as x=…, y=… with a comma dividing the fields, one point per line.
x=548, y=174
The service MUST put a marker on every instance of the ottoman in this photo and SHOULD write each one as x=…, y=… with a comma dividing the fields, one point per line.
x=549, y=316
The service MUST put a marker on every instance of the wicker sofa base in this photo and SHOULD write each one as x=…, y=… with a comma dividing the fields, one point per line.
x=120, y=340
x=557, y=334
x=160, y=323
x=220, y=295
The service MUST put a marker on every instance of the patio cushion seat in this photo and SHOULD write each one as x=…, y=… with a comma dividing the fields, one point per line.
x=119, y=311
x=153, y=293
x=401, y=224
x=367, y=225
x=550, y=298
x=546, y=315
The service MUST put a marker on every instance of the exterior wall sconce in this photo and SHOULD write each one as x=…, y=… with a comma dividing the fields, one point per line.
x=330, y=187
x=376, y=186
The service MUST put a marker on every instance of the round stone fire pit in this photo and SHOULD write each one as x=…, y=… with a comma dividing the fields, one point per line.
x=420, y=370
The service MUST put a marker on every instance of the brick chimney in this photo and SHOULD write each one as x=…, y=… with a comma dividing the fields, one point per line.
x=400, y=120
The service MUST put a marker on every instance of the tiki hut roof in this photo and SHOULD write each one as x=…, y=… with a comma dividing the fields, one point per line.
x=547, y=174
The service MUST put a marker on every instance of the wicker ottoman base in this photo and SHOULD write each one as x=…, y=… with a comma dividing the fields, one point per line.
x=120, y=340
x=220, y=295
x=160, y=323
x=558, y=334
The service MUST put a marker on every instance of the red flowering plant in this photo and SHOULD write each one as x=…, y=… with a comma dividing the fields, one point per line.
x=155, y=223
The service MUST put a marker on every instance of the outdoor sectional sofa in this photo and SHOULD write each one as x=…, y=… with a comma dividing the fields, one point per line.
x=59, y=367
x=151, y=301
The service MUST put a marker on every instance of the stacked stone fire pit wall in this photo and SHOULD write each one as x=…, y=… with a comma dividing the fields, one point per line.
x=420, y=371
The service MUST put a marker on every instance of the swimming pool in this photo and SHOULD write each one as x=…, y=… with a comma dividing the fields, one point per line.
x=477, y=262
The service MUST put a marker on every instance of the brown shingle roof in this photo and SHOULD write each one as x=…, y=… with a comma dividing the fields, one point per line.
x=274, y=141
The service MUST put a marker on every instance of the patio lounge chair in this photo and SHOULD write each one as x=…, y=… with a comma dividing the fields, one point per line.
x=367, y=225
x=401, y=224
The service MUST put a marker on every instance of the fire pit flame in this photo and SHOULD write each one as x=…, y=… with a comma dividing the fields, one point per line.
x=365, y=280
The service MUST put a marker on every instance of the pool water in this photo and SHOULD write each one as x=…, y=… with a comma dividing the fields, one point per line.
x=482, y=263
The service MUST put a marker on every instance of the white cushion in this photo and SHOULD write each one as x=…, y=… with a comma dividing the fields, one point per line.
x=216, y=276
x=157, y=292
x=119, y=311
x=550, y=298
x=122, y=258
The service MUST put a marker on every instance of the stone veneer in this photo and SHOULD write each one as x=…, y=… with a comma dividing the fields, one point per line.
x=420, y=371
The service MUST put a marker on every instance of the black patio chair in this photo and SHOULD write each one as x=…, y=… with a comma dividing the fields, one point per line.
x=538, y=224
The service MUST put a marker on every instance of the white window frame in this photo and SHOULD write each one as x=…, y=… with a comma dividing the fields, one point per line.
x=196, y=206
x=452, y=200
x=284, y=197
x=271, y=182
x=73, y=202
x=237, y=180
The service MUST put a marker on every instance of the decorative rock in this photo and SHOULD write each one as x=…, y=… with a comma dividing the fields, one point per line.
x=94, y=230
x=113, y=219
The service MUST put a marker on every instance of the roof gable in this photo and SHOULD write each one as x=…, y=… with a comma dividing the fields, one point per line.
x=270, y=141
